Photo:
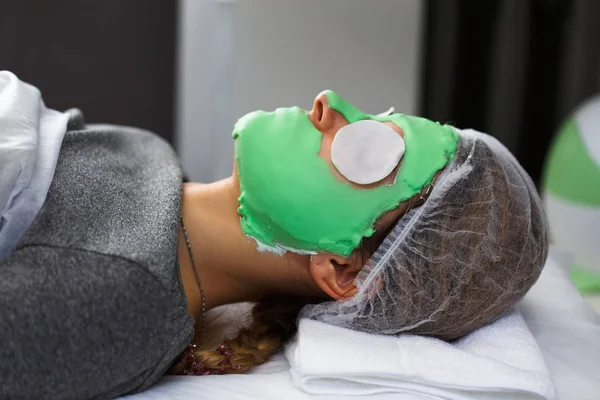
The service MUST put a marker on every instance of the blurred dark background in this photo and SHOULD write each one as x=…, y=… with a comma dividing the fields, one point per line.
x=114, y=59
x=511, y=68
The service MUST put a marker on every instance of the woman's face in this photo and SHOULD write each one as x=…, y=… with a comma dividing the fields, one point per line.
x=293, y=194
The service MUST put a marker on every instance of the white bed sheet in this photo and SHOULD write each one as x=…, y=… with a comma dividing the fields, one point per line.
x=564, y=325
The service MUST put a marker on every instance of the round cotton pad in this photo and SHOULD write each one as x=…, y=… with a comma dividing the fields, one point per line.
x=366, y=151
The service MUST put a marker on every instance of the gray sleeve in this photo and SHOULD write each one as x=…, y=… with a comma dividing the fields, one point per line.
x=77, y=325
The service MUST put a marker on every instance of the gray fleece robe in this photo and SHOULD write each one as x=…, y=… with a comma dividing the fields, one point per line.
x=91, y=301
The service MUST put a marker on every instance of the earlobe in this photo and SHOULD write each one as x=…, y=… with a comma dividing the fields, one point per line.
x=334, y=274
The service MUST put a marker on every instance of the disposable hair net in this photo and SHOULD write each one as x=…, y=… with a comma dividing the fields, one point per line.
x=471, y=251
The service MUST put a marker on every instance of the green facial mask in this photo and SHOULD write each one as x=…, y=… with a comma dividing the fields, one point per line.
x=290, y=198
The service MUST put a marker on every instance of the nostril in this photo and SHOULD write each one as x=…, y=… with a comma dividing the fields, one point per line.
x=319, y=111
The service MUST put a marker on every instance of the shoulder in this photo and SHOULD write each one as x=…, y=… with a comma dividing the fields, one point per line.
x=116, y=191
x=118, y=141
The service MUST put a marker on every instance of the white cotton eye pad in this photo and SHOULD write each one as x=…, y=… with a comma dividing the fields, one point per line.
x=366, y=151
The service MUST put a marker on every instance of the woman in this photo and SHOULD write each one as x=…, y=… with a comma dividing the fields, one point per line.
x=107, y=289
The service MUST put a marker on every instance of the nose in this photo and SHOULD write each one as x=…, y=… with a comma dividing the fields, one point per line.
x=321, y=115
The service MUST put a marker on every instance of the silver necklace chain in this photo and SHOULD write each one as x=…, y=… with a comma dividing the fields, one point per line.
x=189, y=246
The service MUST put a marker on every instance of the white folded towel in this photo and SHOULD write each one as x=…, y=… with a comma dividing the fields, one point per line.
x=499, y=361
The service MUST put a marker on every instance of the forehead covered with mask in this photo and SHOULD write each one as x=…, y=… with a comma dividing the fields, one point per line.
x=294, y=197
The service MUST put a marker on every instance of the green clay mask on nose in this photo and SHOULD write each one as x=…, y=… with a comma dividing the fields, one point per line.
x=289, y=197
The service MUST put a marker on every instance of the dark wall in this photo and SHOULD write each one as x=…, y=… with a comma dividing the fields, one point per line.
x=113, y=59
x=513, y=69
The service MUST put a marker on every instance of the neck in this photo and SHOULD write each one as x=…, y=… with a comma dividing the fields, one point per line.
x=229, y=266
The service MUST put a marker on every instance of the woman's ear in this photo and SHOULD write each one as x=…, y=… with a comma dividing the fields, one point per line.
x=335, y=274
